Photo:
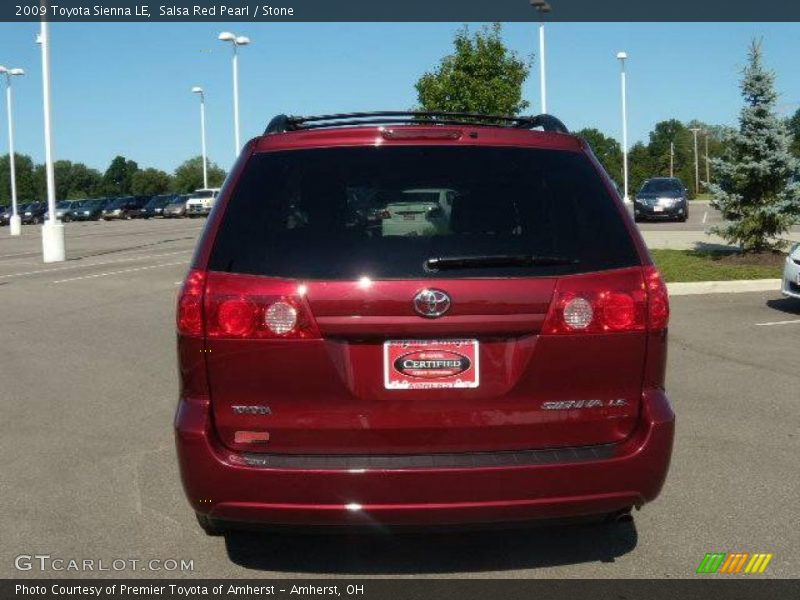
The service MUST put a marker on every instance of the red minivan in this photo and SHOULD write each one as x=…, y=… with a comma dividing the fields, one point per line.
x=420, y=319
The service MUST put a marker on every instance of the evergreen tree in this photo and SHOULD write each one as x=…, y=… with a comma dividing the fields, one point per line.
x=753, y=187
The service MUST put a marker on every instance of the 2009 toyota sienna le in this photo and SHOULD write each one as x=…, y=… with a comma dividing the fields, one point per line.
x=420, y=319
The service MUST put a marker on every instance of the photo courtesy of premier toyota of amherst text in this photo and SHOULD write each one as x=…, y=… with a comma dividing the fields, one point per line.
x=431, y=300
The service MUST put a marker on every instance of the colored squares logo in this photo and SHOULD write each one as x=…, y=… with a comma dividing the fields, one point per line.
x=735, y=562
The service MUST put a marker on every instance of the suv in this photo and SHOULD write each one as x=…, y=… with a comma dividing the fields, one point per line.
x=201, y=202
x=662, y=198
x=90, y=210
x=33, y=213
x=504, y=364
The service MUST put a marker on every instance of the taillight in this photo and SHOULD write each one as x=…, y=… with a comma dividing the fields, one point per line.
x=190, y=304
x=220, y=305
x=248, y=307
x=616, y=301
x=658, y=299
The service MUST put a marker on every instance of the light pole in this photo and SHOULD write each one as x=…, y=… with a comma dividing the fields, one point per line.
x=236, y=41
x=52, y=230
x=15, y=224
x=672, y=159
x=199, y=90
x=623, y=56
x=542, y=8
x=694, y=131
x=708, y=169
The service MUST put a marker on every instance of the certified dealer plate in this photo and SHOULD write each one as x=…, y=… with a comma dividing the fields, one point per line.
x=430, y=364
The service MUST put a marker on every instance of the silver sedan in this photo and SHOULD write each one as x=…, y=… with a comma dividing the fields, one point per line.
x=791, y=274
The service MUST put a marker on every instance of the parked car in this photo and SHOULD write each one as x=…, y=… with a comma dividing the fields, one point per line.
x=154, y=207
x=64, y=210
x=5, y=215
x=33, y=213
x=412, y=212
x=124, y=207
x=508, y=366
x=176, y=208
x=90, y=210
x=201, y=201
x=662, y=198
x=791, y=274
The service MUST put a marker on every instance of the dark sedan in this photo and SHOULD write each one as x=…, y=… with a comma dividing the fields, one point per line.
x=662, y=198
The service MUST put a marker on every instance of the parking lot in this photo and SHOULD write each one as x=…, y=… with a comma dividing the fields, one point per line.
x=88, y=387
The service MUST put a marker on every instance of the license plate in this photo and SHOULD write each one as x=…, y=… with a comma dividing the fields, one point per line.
x=430, y=364
x=409, y=218
x=658, y=209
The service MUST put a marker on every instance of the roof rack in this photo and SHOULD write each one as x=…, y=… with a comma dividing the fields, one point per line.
x=284, y=123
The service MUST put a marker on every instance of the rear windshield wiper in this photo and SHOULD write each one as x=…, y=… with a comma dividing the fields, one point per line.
x=496, y=260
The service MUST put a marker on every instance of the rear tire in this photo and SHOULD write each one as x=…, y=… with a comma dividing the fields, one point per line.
x=209, y=525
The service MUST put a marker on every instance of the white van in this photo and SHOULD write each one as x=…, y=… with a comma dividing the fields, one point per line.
x=201, y=201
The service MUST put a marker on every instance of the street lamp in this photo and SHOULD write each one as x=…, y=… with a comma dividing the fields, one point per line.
x=15, y=224
x=199, y=90
x=623, y=56
x=695, y=131
x=542, y=8
x=236, y=41
x=52, y=230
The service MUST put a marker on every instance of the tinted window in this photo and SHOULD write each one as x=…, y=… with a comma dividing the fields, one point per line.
x=382, y=212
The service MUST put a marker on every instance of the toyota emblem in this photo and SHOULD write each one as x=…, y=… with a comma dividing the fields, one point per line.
x=431, y=303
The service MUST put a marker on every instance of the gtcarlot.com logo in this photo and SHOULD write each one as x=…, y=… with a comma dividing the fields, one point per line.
x=735, y=562
x=47, y=562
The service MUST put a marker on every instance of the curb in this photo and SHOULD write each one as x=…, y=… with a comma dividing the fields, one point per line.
x=689, y=288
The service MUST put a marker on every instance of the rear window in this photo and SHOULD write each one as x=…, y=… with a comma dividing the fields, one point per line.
x=383, y=212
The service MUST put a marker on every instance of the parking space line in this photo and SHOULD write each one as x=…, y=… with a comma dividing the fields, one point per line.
x=705, y=216
x=121, y=271
x=97, y=264
x=770, y=323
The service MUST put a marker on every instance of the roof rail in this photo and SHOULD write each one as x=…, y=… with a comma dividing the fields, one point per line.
x=284, y=123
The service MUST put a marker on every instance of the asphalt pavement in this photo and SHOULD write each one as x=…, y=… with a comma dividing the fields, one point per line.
x=88, y=387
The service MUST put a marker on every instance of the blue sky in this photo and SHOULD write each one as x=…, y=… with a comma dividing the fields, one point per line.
x=124, y=88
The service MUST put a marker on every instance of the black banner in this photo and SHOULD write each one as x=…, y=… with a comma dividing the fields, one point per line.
x=702, y=588
x=408, y=10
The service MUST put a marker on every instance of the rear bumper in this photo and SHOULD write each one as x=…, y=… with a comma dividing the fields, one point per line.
x=647, y=212
x=220, y=484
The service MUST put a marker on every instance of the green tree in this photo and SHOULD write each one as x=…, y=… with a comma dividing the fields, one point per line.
x=672, y=132
x=794, y=129
x=118, y=177
x=84, y=182
x=752, y=185
x=26, y=186
x=149, y=182
x=189, y=175
x=606, y=149
x=640, y=167
x=481, y=76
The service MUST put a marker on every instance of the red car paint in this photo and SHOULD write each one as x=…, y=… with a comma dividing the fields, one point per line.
x=543, y=386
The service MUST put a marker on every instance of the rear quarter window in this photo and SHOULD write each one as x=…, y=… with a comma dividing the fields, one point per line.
x=382, y=212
